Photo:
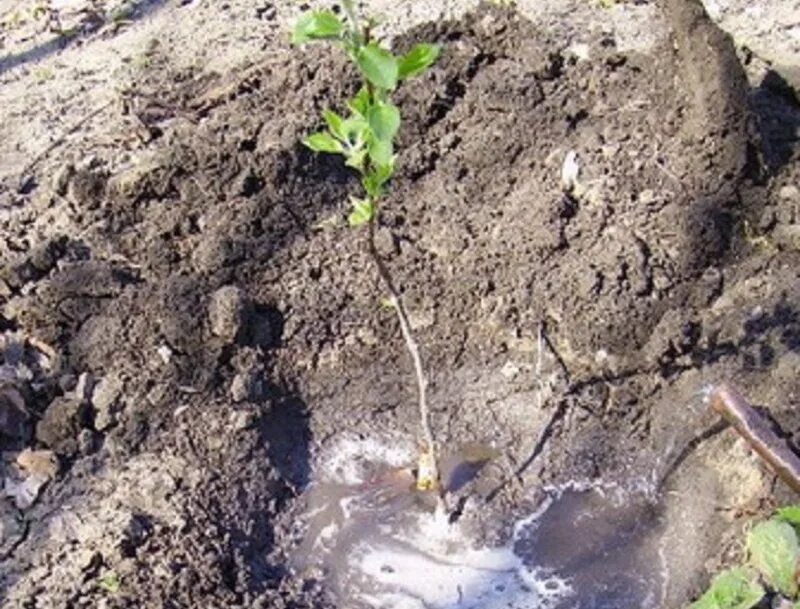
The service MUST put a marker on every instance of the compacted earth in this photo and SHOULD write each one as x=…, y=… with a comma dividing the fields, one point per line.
x=188, y=323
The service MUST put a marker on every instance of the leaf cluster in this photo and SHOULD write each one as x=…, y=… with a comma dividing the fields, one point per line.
x=773, y=559
x=365, y=135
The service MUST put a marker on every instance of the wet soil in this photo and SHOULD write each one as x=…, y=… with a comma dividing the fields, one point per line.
x=208, y=274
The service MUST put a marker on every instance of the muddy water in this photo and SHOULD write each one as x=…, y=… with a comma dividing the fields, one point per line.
x=375, y=543
x=606, y=543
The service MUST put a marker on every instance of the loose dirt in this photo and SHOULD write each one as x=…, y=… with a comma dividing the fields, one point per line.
x=193, y=324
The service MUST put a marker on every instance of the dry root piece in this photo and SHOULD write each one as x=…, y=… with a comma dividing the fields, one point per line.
x=758, y=432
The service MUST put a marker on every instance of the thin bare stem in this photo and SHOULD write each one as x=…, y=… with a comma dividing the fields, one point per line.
x=411, y=345
x=352, y=14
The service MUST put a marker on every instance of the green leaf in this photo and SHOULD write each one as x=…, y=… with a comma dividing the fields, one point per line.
x=335, y=124
x=323, y=142
x=373, y=182
x=790, y=514
x=774, y=551
x=360, y=103
x=110, y=582
x=356, y=130
x=378, y=65
x=733, y=589
x=356, y=158
x=381, y=153
x=382, y=173
x=417, y=60
x=363, y=212
x=384, y=120
x=373, y=189
x=317, y=25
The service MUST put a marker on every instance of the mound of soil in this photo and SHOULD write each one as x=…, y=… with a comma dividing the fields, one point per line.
x=212, y=290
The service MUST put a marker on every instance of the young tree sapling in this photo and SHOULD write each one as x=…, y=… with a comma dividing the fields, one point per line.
x=365, y=138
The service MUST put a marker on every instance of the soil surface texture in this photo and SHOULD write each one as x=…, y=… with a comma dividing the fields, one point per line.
x=187, y=321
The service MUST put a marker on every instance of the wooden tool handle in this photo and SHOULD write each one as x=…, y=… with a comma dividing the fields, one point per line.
x=758, y=432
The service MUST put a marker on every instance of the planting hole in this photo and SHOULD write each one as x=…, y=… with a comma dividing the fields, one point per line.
x=372, y=542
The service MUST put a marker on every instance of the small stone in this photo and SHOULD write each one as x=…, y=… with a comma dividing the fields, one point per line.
x=25, y=479
x=661, y=281
x=61, y=423
x=43, y=256
x=84, y=387
x=165, y=353
x=385, y=242
x=106, y=392
x=789, y=193
x=239, y=388
x=212, y=253
x=227, y=311
x=647, y=196
x=67, y=382
x=421, y=319
x=787, y=236
x=510, y=370
x=367, y=336
x=246, y=386
x=570, y=171
x=580, y=50
x=38, y=462
x=24, y=373
x=87, y=442
x=15, y=307
x=242, y=419
x=157, y=394
x=105, y=401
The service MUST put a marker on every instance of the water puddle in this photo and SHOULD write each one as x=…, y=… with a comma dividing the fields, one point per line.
x=605, y=542
x=376, y=544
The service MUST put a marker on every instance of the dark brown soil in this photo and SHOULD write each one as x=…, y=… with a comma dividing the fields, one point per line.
x=644, y=280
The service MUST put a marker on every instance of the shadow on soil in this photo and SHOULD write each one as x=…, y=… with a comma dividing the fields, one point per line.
x=124, y=319
x=777, y=108
x=778, y=325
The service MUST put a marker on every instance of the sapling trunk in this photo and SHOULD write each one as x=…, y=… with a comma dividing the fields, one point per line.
x=429, y=451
